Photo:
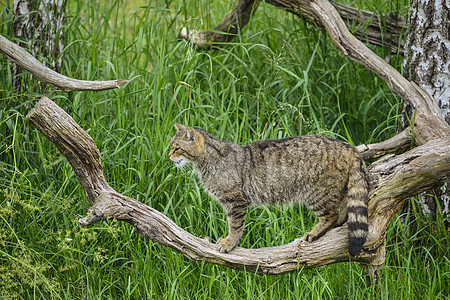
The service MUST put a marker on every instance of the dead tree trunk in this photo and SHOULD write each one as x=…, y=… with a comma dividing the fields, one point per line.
x=39, y=25
x=427, y=63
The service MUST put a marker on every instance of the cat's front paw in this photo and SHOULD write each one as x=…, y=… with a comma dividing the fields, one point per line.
x=225, y=245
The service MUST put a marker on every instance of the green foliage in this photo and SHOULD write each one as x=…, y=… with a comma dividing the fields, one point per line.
x=280, y=77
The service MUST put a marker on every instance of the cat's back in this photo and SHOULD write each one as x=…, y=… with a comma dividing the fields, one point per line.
x=302, y=165
x=312, y=148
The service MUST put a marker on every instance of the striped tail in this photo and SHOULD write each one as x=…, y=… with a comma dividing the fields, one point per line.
x=358, y=198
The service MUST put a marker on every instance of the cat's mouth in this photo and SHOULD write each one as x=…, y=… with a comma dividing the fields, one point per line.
x=178, y=161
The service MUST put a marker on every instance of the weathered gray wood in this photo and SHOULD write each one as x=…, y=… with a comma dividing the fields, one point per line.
x=73, y=142
x=428, y=125
x=392, y=181
x=24, y=59
x=397, y=144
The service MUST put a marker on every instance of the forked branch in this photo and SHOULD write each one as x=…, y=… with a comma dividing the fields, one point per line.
x=27, y=61
x=393, y=181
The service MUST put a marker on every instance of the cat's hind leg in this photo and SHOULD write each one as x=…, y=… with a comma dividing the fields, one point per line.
x=343, y=212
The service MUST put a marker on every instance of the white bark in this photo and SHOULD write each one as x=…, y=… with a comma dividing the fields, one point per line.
x=393, y=180
x=427, y=63
x=427, y=59
x=40, y=27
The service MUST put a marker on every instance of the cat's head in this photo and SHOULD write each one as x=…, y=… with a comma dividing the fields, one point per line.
x=186, y=146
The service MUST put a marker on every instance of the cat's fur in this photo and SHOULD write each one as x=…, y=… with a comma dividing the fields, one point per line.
x=326, y=175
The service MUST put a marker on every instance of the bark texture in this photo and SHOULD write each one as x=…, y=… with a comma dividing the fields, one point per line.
x=427, y=63
x=39, y=25
x=427, y=59
x=429, y=124
x=395, y=145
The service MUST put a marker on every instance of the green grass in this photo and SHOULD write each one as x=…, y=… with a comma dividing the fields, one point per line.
x=280, y=77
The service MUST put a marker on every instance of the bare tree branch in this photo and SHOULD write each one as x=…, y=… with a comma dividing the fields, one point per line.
x=380, y=30
x=225, y=31
x=392, y=181
x=385, y=30
x=24, y=59
x=397, y=144
x=428, y=123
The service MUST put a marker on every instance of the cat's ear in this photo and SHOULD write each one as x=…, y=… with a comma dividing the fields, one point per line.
x=180, y=127
x=191, y=133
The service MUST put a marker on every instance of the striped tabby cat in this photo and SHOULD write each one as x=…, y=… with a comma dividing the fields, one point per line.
x=326, y=175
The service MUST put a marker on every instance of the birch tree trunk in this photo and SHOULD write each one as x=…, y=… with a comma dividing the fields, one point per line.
x=427, y=63
x=39, y=25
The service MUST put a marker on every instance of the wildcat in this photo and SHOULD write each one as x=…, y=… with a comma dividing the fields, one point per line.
x=326, y=175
